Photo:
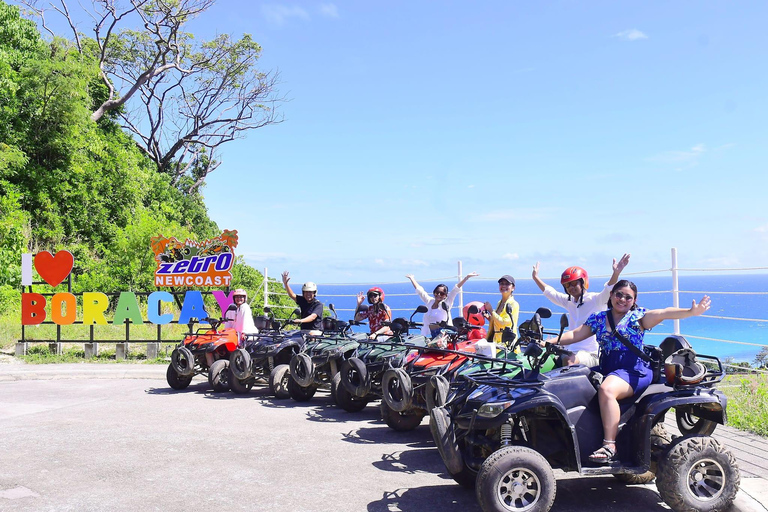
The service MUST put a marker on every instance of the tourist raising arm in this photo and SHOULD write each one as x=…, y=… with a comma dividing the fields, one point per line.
x=580, y=304
x=436, y=312
x=625, y=372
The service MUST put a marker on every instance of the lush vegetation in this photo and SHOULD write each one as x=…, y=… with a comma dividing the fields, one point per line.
x=70, y=182
x=747, y=402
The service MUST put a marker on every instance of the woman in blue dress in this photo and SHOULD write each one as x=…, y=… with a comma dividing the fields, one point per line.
x=625, y=373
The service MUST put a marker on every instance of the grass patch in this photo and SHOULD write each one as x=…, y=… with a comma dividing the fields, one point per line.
x=747, y=402
x=42, y=354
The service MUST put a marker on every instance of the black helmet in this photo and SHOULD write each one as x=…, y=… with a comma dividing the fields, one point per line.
x=682, y=369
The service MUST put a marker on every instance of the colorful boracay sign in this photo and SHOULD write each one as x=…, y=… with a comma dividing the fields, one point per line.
x=191, y=263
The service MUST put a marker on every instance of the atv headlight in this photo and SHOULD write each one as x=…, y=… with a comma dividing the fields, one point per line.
x=493, y=409
x=334, y=353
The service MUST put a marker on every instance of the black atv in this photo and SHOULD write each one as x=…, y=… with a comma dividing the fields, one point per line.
x=359, y=379
x=319, y=362
x=504, y=435
x=265, y=356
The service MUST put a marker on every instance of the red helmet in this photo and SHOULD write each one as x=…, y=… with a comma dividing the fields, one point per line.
x=375, y=289
x=572, y=274
x=474, y=318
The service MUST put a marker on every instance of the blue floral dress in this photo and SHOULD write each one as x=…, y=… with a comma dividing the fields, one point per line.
x=616, y=359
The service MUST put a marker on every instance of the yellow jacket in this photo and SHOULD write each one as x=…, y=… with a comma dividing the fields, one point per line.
x=500, y=319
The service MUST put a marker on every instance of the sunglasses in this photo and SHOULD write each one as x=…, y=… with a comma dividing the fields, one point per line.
x=443, y=294
x=623, y=296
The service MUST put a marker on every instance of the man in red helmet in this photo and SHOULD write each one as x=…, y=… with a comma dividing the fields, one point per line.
x=376, y=313
x=580, y=304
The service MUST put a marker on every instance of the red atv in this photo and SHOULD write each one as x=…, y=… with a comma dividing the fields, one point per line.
x=409, y=391
x=206, y=352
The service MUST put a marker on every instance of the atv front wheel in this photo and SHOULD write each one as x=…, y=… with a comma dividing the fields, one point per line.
x=515, y=478
x=302, y=370
x=240, y=363
x=175, y=380
x=344, y=398
x=300, y=393
x=238, y=386
x=397, y=389
x=444, y=435
x=400, y=421
x=183, y=361
x=436, y=391
x=692, y=425
x=218, y=375
x=698, y=474
x=354, y=377
x=278, y=381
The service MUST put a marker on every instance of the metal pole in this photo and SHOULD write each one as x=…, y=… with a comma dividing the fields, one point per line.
x=266, y=288
x=461, y=291
x=675, y=290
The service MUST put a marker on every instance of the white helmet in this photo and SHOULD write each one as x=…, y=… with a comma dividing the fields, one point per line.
x=309, y=286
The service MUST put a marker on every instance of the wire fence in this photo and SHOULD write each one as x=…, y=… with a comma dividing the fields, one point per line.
x=402, y=301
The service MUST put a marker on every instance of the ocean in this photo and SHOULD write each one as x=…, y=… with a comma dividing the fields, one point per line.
x=742, y=299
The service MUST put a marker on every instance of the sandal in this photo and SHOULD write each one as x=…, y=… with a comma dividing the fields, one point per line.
x=604, y=454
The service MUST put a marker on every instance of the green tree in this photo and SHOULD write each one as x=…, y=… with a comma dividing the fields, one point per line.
x=181, y=98
x=761, y=359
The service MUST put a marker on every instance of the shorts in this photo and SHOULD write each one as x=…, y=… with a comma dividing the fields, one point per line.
x=589, y=359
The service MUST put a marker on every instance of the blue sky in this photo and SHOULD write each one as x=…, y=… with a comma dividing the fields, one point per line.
x=499, y=133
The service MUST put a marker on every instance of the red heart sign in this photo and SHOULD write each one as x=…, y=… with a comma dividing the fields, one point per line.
x=54, y=269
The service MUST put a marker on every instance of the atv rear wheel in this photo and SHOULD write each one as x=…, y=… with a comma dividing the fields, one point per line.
x=183, y=361
x=302, y=370
x=175, y=380
x=400, y=421
x=698, y=474
x=397, y=389
x=278, y=381
x=515, y=478
x=444, y=435
x=660, y=441
x=344, y=398
x=218, y=375
x=692, y=425
x=354, y=377
x=240, y=363
x=300, y=393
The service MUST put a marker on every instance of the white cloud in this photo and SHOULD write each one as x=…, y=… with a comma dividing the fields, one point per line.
x=762, y=229
x=329, y=10
x=631, y=35
x=413, y=263
x=379, y=261
x=279, y=14
x=689, y=158
x=512, y=256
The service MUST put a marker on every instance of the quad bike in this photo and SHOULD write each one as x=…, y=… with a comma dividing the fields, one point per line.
x=411, y=391
x=196, y=351
x=266, y=355
x=319, y=363
x=505, y=434
x=359, y=379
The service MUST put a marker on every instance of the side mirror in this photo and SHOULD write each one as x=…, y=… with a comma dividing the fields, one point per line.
x=544, y=312
x=330, y=306
x=232, y=307
x=444, y=306
x=297, y=312
x=460, y=322
x=267, y=309
x=563, y=321
x=422, y=309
